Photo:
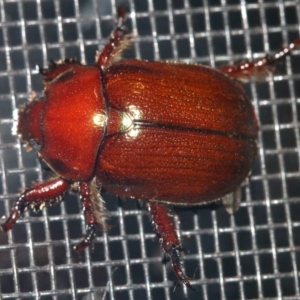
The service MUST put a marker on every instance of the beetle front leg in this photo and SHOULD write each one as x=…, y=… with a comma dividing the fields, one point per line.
x=36, y=197
x=168, y=239
x=245, y=70
x=116, y=45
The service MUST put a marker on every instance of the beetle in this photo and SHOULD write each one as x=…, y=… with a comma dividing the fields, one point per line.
x=167, y=133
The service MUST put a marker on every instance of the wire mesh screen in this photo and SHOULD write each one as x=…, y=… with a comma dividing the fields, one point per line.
x=253, y=254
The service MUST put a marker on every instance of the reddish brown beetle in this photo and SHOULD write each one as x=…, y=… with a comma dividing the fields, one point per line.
x=168, y=133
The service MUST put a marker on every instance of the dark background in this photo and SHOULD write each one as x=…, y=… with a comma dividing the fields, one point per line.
x=252, y=254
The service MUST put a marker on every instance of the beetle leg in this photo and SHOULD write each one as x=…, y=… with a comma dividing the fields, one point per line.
x=41, y=194
x=168, y=239
x=258, y=67
x=90, y=201
x=116, y=45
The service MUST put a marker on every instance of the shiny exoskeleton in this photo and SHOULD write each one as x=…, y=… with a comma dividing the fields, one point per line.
x=167, y=133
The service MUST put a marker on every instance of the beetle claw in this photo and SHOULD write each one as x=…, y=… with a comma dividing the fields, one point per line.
x=174, y=254
x=41, y=70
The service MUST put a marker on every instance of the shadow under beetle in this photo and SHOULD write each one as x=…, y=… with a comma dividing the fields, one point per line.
x=168, y=133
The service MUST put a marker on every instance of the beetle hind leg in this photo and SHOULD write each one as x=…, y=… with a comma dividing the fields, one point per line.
x=92, y=206
x=168, y=239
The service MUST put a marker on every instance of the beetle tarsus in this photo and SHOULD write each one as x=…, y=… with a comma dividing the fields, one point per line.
x=174, y=254
x=116, y=45
x=88, y=238
x=168, y=239
x=14, y=215
x=258, y=67
x=121, y=16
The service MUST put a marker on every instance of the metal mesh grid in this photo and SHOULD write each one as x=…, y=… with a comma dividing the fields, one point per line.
x=252, y=254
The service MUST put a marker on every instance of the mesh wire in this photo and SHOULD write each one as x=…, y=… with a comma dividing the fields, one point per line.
x=252, y=254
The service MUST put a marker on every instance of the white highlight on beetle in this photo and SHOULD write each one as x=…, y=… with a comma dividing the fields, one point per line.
x=136, y=114
x=126, y=121
x=133, y=133
x=99, y=120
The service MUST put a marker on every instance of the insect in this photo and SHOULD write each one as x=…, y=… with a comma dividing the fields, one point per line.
x=167, y=133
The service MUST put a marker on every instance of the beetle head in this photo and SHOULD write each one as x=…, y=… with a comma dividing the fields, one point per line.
x=29, y=123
